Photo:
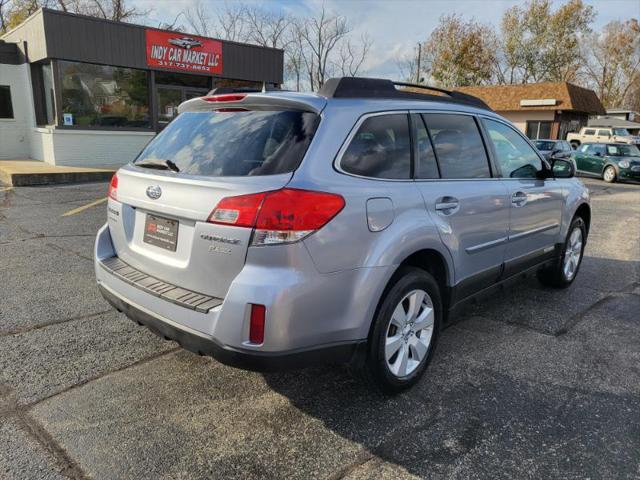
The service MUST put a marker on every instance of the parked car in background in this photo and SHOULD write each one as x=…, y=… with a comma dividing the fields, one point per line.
x=553, y=148
x=277, y=229
x=611, y=162
x=602, y=135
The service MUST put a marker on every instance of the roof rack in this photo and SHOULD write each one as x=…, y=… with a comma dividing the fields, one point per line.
x=359, y=87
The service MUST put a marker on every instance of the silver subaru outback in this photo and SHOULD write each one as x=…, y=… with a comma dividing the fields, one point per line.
x=273, y=229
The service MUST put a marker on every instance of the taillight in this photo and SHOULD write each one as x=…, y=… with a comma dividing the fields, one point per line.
x=227, y=97
x=256, y=324
x=281, y=216
x=113, y=187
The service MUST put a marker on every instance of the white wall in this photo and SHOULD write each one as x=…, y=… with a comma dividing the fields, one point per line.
x=14, y=133
x=92, y=148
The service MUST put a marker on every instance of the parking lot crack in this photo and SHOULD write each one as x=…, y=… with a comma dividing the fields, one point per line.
x=53, y=322
x=142, y=361
x=65, y=250
x=69, y=468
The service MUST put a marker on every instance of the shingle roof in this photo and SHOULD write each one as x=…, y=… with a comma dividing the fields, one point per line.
x=567, y=95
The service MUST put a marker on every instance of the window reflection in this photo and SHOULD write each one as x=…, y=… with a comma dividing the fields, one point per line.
x=104, y=96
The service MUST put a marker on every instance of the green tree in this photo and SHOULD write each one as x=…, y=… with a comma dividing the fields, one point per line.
x=459, y=53
x=539, y=44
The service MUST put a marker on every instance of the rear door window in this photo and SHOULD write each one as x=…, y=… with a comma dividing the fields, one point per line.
x=458, y=145
x=238, y=143
x=381, y=148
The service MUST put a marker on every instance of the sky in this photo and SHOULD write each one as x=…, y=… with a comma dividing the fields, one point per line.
x=395, y=26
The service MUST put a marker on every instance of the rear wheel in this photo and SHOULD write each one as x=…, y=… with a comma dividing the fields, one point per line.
x=575, y=145
x=609, y=175
x=405, y=331
x=565, y=270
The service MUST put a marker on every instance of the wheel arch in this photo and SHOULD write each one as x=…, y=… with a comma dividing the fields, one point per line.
x=584, y=211
x=432, y=261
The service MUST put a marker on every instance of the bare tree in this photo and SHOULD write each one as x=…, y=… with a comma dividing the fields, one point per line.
x=319, y=36
x=267, y=28
x=611, y=62
x=353, y=55
x=199, y=19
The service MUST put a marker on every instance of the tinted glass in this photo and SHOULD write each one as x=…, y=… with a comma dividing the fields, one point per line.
x=544, y=130
x=545, y=145
x=589, y=132
x=621, y=131
x=604, y=133
x=380, y=148
x=6, y=108
x=458, y=146
x=103, y=96
x=597, y=149
x=623, y=150
x=426, y=166
x=584, y=148
x=517, y=159
x=223, y=144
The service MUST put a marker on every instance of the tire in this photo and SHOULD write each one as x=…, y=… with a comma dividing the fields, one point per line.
x=609, y=175
x=561, y=274
x=575, y=144
x=397, y=326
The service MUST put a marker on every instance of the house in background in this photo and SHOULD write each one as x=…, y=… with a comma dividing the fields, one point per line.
x=618, y=118
x=541, y=110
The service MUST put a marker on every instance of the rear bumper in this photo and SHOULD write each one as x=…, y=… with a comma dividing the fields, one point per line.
x=248, y=360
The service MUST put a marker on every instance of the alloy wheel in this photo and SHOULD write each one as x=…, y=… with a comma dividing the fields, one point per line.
x=609, y=174
x=572, y=254
x=409, y=333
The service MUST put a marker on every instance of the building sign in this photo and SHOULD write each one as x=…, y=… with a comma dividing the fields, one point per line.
x=177, y=51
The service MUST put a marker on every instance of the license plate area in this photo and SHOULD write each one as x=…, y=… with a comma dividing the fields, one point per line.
x=161, y=232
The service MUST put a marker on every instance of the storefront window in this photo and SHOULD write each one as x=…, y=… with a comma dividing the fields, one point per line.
x=103, y=96
x=49, y=95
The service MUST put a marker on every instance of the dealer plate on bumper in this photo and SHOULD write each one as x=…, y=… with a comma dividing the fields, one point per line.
x=161, y=232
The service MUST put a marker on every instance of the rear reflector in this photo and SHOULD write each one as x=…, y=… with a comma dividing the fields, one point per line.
x=229, y=97
x=281, y=216
x=256, y=327
x=113, y=187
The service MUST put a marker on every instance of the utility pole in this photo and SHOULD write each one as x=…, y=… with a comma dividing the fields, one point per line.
x=418, y=66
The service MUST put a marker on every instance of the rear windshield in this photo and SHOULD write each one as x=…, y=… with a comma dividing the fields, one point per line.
x=240, y=143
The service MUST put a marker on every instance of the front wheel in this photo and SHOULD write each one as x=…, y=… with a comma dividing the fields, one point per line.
x=565, y=270
x=609, y=174
x=404, y=332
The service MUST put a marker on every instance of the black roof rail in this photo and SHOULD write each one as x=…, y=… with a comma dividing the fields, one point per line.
x=360, y=87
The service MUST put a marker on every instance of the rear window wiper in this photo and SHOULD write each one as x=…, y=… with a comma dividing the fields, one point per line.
x=160, y=164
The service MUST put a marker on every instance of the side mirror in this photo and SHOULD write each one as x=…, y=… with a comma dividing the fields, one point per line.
x=562, y=168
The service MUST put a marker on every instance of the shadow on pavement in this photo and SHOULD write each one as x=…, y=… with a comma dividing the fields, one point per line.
x=498, y=401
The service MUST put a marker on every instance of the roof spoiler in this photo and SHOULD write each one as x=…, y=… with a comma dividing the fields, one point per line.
x=231, y=89
x=359, y=87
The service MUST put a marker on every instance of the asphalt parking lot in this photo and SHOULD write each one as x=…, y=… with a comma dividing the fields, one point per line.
x=533, y=383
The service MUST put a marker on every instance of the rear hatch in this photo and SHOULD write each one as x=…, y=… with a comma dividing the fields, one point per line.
x=165, y=198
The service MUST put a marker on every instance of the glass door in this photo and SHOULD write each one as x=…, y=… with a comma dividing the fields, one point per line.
x=170, y=97
x=168, y=100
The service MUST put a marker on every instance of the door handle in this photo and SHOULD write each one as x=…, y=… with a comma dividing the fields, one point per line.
x=447, y=205
x=519, y=199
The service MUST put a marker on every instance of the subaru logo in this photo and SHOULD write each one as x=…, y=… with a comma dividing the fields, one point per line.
x=154, y=192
